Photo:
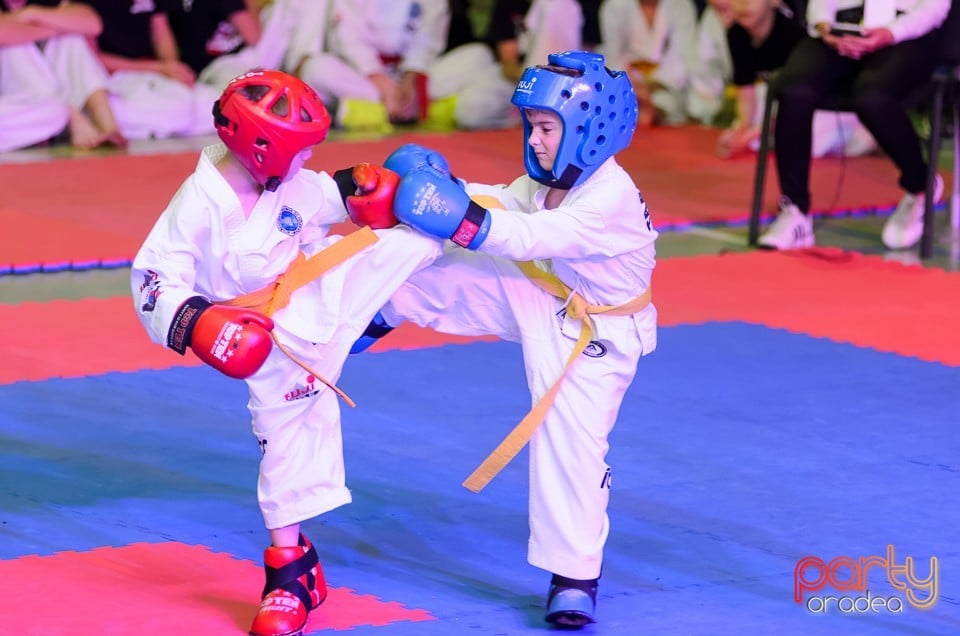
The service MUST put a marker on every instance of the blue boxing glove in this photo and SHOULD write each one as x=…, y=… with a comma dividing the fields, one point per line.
x=412, y=156
x=429, y=201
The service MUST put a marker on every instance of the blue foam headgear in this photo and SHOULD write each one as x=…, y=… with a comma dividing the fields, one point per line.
x=597, y=106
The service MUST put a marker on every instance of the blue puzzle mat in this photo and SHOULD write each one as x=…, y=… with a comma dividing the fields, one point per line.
x=739, y=451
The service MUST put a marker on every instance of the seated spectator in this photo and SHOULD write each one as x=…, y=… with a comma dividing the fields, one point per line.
x=892, y=56
x=760, y=37
x=371, y=64
x=56, y=33
x=309, y=36
x=153, y=94
x=379, y=63
x=31, y=107
x=711, y=70
x=221, y=39
x=655, y=41
x=457, y=99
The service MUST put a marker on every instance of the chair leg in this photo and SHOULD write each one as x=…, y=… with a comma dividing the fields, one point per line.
x=760, y=175
x=933, y=160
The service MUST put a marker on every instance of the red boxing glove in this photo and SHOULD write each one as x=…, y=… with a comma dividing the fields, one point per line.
x=232, y=340
x=373, y=202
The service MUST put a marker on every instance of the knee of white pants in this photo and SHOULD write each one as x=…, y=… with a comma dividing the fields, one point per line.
x=24, y=70
x=378, y=273
x=333, y=79
x=457, y=68
x=218, y=73
x=76, y=67
x=485, y=103
x=150, y=105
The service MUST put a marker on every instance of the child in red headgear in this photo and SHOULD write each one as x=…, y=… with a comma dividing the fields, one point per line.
x=242, y=269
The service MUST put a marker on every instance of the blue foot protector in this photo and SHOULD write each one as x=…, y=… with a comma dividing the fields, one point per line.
x=377, y=329
x=570, y=602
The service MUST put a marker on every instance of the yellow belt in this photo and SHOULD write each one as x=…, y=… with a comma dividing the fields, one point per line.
x=578, y=308
x=301, y=271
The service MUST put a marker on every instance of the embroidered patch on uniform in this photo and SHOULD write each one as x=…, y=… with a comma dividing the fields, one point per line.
x=595, y=349
x=303, y=390
x=289, y=221
x=150, y=291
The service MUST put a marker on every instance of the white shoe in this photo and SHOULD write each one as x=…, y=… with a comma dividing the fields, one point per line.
x=905, y=226
x=791, y=230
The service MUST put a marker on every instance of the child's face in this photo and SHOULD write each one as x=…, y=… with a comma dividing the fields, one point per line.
x=298, y=160
x=546, y=130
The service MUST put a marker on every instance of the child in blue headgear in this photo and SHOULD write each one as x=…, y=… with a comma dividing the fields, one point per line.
x=581, y=312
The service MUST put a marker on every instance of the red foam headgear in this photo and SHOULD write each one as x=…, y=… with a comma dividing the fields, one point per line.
x=267, y=126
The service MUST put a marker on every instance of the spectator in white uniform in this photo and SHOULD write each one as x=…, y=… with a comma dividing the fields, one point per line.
x=57, y=33
x=371, y=63
x=655, y=40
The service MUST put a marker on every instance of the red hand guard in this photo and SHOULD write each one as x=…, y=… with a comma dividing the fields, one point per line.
x=234, y=341
x=373, y=203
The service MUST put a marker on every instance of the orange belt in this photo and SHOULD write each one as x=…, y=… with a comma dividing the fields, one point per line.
x=301, y=271
x=579, y=309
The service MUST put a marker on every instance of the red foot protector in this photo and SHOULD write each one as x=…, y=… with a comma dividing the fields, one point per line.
x=163, y=588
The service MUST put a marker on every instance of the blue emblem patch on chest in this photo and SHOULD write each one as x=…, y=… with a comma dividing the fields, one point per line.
x=289, y=221
x=595, y=349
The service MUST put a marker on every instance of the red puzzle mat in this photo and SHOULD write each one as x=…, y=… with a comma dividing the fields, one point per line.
x=164, y=588
x=96, y=211
x=846, y=297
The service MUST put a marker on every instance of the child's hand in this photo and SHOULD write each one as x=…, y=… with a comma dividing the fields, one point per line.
x=856, y=46
x=408, y=97
x=389, y=92
x=177, y=70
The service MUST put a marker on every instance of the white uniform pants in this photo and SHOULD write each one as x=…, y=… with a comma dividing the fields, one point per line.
x=334, y=79
x=295, y=417
x=31, y=107
x=76, y=67
x=149, y=105
x=470, y=293
x=40, y=82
